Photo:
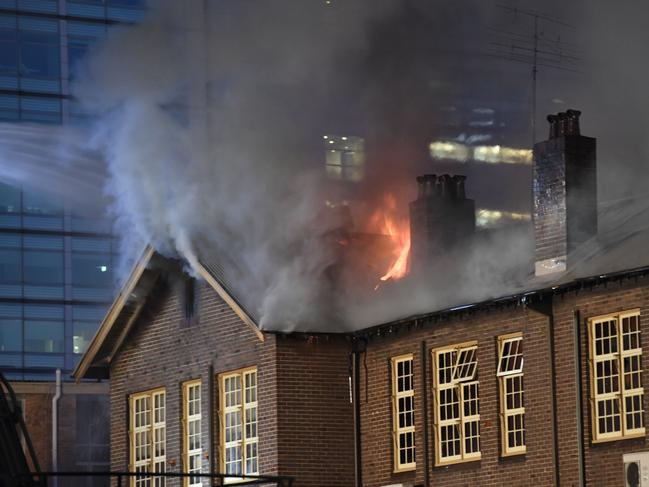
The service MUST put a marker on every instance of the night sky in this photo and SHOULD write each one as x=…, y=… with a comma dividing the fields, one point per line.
x=398, y=66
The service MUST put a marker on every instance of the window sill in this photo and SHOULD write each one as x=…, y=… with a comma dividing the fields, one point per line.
x=514, y=453
x=631, y=436
x=457, y=461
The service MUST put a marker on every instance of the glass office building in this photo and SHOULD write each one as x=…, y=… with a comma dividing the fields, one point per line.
x=56, y=263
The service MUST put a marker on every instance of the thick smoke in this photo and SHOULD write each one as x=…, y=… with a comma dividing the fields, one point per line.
x=208, y=115
x=211, y=114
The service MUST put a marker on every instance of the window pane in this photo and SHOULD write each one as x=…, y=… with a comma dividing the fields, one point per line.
x=128, y=3
x=9, y=199
x=88, y=313
x=93, y=225
x=41, y=60
x=11, y=334
x=91, y=269
x=77, y=50
x=37, y=202
x=82, y=335
x=43, y=267
x=10, y=266
x=44, y=336
x=8, y=56
x=43, y=312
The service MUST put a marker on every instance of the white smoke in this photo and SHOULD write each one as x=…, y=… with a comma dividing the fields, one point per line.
x=209, y=112
x=208, y=125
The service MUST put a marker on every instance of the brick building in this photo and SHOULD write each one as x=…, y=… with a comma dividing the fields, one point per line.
x=543, y=386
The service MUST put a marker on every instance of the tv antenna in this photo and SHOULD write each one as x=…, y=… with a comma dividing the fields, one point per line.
x=535, y=50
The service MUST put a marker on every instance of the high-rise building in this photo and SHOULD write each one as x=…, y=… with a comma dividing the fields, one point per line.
x=56, y=261
x=489, y=142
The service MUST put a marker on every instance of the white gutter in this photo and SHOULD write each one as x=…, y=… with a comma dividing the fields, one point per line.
x=55, y=427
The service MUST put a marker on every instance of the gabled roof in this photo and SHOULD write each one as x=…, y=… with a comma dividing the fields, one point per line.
x=127, y=306
x=617, y=252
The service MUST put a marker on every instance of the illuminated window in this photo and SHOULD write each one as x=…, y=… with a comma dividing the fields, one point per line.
x=456, y=396
x=344, y=157
x=502, y=155
x=192, y=447
x=239, y=441
x=442, y=149
x=403, y=413
x=486, y=218
x=512, y=408
x=493, y=154
x=147, y=434
x=616, y=376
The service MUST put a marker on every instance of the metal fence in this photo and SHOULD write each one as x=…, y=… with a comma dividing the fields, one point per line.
x=152, y=479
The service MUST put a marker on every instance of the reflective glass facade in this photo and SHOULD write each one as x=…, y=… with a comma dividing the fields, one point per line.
x=56, y=267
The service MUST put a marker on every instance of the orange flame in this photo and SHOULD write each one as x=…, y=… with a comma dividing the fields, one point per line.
x=399, y=231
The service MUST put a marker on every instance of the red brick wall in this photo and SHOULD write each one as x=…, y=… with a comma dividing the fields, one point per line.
x=36, y=398
x=604, y=465
x=305, y=417
x=306, y=423
x=161, y=352
x=534, y=468
x=38, y=420
x=603, y=461
x=316, y=418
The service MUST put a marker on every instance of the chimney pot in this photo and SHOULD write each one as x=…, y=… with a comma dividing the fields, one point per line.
x=573, y=122
x=563, y=119
x=421, y=182
x=553, y=119
x=445, y=185
x=458, y=184
x=564, y=123
x=426, y=186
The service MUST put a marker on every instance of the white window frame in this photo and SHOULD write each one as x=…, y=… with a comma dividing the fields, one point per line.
x=249, y=414
x=397, y=431
x=506, y=376
x=462, y=379
x=617, y=398
x=192, y=421
x=153, y=431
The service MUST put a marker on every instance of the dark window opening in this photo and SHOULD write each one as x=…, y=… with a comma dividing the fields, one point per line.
x=190, y=304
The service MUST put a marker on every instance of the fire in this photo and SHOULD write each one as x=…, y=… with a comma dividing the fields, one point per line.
x=386, y=221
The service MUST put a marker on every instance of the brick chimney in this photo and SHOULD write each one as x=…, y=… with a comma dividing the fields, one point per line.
x=565, y=193
x=441, y=218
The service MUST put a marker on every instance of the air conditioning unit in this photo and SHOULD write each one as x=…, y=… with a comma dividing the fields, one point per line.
x=636, y=469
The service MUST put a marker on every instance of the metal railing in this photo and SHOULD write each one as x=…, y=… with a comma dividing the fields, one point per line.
x=41, y=479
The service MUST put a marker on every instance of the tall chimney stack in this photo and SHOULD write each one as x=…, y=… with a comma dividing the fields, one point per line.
x=565, y=193
x=441, y=218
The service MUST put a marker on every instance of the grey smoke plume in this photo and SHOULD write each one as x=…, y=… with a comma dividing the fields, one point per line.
x=210, y=114
x=207, y=115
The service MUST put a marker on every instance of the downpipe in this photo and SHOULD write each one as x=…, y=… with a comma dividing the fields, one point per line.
x=55, y=427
